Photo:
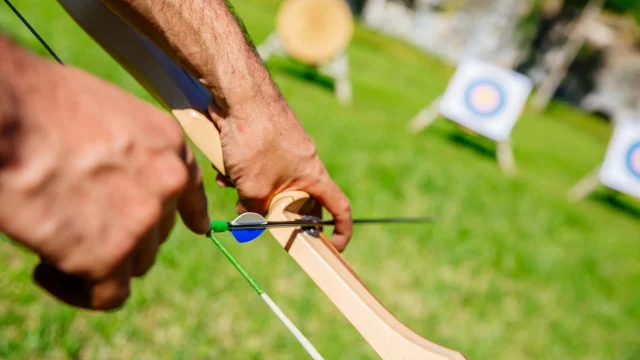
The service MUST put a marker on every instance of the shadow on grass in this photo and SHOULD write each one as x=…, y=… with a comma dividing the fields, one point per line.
x=617, y=202
x=4, y=238
x=473, y=142
x=302, y=71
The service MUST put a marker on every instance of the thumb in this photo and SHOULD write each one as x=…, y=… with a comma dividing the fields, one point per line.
x=70, y=289
x=192, y=204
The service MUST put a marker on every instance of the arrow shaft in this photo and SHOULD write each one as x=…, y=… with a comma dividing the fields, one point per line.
x=294, y=223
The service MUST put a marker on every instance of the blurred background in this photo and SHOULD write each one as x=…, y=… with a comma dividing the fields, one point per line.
x=512, y=269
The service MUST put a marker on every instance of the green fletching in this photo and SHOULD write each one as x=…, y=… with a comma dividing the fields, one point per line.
x=218, y=226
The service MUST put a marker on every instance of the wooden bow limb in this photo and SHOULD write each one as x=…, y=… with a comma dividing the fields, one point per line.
x=188, y=100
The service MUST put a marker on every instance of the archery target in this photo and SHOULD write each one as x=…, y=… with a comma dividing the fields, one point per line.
x=486, y=98
x=621, y=168
x=633, y=160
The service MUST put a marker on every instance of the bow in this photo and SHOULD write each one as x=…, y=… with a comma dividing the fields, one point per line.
x=188, y=101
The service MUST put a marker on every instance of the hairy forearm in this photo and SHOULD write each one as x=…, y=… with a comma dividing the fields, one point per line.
x=208, y=40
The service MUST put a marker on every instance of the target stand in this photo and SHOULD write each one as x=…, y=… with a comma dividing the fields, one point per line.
x=483, y=99
x=620, y=170
x=316, y=33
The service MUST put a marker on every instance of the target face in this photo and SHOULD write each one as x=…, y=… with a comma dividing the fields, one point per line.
x=633, y=160
x=485, y=98
x=621, y=167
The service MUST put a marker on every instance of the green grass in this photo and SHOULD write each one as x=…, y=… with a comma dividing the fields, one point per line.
x=510, y=271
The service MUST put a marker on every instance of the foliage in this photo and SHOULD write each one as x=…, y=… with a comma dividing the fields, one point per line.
x=625, y=6
x=510, y=271
x=619, y=6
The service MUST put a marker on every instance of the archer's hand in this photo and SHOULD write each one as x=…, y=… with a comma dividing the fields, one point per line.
x=266, y=151
x=93, y=182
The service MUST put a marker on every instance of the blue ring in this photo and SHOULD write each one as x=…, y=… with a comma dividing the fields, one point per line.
x=467, y=98
x=629, y=158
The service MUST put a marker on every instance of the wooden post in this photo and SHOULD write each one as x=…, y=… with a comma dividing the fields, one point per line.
x=567, y=55
x=506, y=160
x=425, y=117
x=585, y=186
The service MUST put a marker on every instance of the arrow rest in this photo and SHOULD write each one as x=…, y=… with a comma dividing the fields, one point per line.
x=312, y=230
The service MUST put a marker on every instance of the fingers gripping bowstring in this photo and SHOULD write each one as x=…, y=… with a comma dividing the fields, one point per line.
x=306, y=344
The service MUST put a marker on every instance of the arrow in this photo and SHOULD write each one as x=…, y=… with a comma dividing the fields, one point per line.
x=249, y=226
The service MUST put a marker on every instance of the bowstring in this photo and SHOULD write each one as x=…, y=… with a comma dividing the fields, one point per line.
x=33, y=31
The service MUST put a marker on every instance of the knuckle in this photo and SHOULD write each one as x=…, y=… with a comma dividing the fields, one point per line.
x=345, y=207
x=317, y=175
x=72, y=265
x=146, y=216
x=174, y=136
x=240, y=209
x=255, y=192
x=312, y=149
x=116, y=256
x=175, y=177
x=105, y=261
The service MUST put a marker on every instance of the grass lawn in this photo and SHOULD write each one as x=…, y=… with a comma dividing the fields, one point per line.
x=510, y=271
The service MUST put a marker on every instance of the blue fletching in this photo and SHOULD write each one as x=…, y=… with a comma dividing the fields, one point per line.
x=246, y=235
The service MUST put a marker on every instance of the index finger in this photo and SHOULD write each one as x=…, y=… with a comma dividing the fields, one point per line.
x=331, y=197
x=192, y=204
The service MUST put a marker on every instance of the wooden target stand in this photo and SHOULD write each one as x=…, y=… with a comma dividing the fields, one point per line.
x=431, y=113
x=483, y=99
x=315, y=33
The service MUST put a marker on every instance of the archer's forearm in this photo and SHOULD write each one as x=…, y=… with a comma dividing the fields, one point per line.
x=209, y=41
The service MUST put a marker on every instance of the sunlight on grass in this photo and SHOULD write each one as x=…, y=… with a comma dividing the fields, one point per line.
x=510, y=271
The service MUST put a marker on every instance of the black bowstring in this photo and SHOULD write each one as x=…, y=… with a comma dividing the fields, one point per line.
x=33, y=31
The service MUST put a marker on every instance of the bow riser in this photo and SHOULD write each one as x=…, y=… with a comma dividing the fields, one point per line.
x=187, y=99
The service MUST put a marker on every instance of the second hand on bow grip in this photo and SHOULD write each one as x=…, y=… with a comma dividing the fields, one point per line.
x=188, y=100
